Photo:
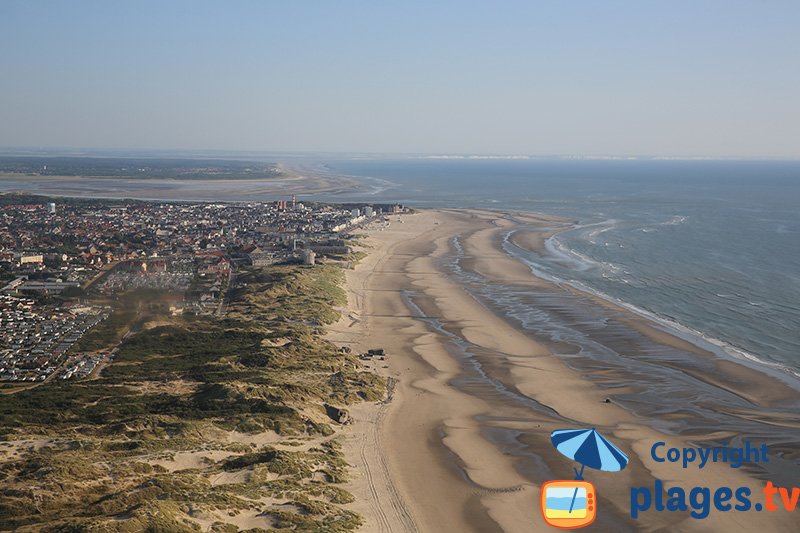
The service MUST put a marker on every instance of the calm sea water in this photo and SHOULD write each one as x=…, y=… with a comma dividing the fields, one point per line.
x=711, y=247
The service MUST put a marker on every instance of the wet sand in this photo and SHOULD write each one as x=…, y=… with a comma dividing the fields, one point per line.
x=238, y=190
x=489, y=359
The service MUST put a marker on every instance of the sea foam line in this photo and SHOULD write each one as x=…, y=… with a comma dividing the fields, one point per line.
x=696, y=337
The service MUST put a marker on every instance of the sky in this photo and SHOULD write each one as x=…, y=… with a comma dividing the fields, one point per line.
x=715, y=78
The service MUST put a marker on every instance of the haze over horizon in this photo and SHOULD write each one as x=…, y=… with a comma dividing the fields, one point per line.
x=717, y=79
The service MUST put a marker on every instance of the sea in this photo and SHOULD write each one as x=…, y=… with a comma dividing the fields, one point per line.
x=708, y=248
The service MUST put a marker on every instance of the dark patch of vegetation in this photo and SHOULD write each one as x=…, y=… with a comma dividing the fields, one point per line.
x=263, y=367
x=169, y=352
x=107, y=333
x=314, y=516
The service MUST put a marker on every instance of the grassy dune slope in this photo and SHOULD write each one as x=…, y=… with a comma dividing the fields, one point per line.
x=198, y=424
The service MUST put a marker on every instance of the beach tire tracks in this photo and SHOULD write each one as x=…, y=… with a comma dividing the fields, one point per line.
x=377, y=472
x=372, y=450
x=390, y=510
x=375, y=503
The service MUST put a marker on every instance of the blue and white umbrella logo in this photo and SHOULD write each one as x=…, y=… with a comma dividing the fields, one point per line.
x=589, y=448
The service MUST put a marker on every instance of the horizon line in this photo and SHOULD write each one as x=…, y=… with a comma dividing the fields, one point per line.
x=184, y=153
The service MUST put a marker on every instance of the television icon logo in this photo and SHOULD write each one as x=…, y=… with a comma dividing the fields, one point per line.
x=568, y=504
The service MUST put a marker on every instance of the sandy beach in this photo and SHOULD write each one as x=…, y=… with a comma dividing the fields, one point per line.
x=462, y=443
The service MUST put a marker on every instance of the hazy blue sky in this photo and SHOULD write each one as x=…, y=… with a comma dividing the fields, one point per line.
x=696, y=77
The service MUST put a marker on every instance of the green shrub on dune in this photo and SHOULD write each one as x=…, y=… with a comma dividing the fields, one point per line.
x=183, y=387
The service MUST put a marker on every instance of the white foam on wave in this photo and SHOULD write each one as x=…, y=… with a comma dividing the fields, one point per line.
x=605, y=226
x=675, y=221
x=573, y=258
x=700, y=339
x=568, y=256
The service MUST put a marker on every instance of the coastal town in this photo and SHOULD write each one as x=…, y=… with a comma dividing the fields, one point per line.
x=67, y=266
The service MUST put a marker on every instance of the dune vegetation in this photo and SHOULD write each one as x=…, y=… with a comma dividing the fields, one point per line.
x=198, y=423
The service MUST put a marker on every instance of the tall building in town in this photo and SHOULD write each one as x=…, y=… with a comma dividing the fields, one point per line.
x=309, y=257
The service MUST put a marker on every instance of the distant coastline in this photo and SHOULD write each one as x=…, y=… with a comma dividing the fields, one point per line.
x=196, y=190
x=589, y=191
